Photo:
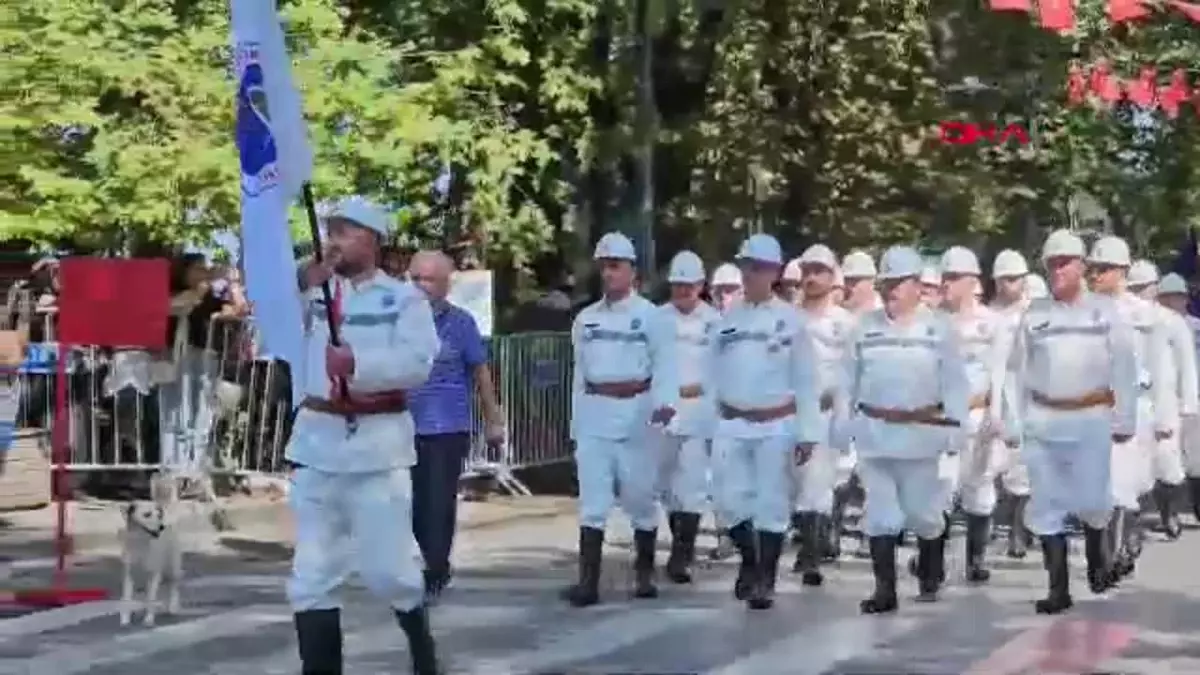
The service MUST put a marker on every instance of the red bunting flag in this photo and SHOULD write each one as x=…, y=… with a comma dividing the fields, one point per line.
x=1057, y=15
x=1143, y=91
x=1189, y=9
x=1011, y=5
x=109, y=302
x=1126, y=10
x=1104, y=86
x=1175, y=95
x=1077, y=85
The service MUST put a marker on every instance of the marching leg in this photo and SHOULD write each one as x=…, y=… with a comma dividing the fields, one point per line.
x=770, y=546
x=931, y=567
x=883, y=565
x=979, y=531
x=742, y=536
x=421, y=648
x=1018, y=534
x=319, y=635
x=1099, y=566
x=1166, y=499
x=586, y=591
x=683, y=547
x=644, y=542
x=808, y=555
x=1193, y=488
x=1058, y=600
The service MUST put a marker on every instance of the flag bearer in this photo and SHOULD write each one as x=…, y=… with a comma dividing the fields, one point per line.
x=1173, y=294
x=905, y=393
x=625, y=381
x=1074, y=373
x=352, y=446
x=685, y=440
x=829, y=326
x=1108, y=269
x=981, y=340
x=766, y=393
x=1167, y=457
x=1010, y=272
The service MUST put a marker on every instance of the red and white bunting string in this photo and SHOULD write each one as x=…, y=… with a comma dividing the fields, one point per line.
x=1059, y=15
x=1098, y=86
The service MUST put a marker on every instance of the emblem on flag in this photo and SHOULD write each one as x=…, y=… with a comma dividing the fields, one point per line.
x=255, y=142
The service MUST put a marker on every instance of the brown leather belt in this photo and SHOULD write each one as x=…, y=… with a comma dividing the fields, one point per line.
x=980, y=401
x=1092, y=399
x=826, y=402
x=691, y=391
x=374, y=403
x=758, y=415
x=929, y=415
x=624, y=389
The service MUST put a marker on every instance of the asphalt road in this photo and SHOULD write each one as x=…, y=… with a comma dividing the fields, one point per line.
x=502, y=616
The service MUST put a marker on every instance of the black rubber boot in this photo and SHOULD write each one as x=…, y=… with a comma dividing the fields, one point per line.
x=914, y=562
x=743, y=538
x=319, y=635
x=979, y=531
x=644, y=542
x=415, y=624
x=1099, y=566
x=797, y=535
x=808, y=555
x=770, y=547
x=1193, y=489
x=1018, y=535
x=586, y=591
x=831, y=534
x=683, y=547
x=1058, y=600
x=883, y=565
x=1166, y=498
x=931, y=568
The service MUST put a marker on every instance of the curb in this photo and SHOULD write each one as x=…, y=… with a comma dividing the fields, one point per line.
x=245, y=519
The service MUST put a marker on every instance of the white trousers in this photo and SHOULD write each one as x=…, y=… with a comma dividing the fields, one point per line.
x=901, y=494
x=756, y=480
x=605, y=465
x=347, y=522
x=1132, y=460
x=683, y=473
x=815, y=481
x=971, y=472
x=1014, y=475
x=1069, y=477
x=1166, y=462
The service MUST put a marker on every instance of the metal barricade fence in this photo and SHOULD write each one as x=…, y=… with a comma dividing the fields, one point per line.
x=223, y=410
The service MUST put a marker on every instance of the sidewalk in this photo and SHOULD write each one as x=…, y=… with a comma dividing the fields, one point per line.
x=255, y=522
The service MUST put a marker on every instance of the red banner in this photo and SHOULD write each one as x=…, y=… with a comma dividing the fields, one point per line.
x=1057, y=15
x=1176, y=94
x=1143, y=91
x=114, y=303
x=1126, y=10
x=1104, y=86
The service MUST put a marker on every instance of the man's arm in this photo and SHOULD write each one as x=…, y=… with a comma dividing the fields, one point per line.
x=475, y=356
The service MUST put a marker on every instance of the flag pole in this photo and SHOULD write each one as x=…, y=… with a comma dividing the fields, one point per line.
x=314, y=229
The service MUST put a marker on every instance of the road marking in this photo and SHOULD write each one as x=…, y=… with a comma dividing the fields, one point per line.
x=1061, y=646
x=146, y=642
x=816, y=650
x=45, y=621
x=580, y=643
x=381, y=637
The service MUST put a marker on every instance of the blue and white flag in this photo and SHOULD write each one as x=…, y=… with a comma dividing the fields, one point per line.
x=276, y=161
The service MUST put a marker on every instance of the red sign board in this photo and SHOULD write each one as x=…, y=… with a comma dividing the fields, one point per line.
x=110, y=302
x=954, y=132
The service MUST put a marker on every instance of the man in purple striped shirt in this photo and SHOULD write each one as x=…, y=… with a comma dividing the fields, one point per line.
x=441, y=410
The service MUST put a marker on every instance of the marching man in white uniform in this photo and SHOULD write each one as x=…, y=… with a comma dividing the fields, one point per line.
x=352, y=446
x=625, y=380
x=858, y=275
x=829, y=325
x=1167, y=458
x=725, y=286
x=684, y=472
x=904, y=398
x=1010, y=272
x=1074, y=380
x=766, y=393
x=981, y=339
x=1108, y=267
x=1173, y=294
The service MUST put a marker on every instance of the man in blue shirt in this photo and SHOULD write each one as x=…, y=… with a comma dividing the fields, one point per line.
x=442, y=410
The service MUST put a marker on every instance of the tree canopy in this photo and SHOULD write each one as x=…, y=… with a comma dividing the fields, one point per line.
x=816, y=121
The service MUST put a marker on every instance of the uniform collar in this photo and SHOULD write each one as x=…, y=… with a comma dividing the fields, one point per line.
x=374, y=280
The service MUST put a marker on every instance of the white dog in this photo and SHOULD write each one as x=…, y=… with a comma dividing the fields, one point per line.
x=151, y=549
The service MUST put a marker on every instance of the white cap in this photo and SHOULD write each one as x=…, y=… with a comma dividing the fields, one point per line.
x=362, y=212
x=960, y=260
x=858, y=265
x=931, y=276
x=727, y=274
x=1142, y=273
x=819, y=254
x=1009, y=263
x=686, y=268
x=792, y=271
x=1035, y=287
x=1172, y=284
x=1110, y=251
x=615, y=246
x=1063, y=244
x=762, y=248
x=900, y=262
